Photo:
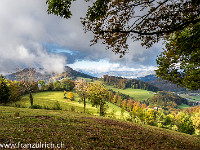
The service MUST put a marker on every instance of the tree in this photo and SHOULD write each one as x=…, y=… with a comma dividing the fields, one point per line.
x=81, y=89
x=98, y=95
x=42, y=84
x=180, y=61
x=184, y=123
x=50, y=86
x=57, y=86
x=114, y=21
x=27, y=77
x=15, y=91
x=67, y=84
x=4, y=91
x=196, y=122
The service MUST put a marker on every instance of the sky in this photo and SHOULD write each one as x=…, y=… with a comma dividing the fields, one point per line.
x=29, y=37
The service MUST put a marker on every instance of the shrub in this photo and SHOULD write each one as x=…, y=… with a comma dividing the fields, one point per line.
x=35, y=107
x=57, y=106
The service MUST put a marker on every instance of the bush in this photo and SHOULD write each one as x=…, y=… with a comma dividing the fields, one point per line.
x=57, y=106
x=19, y=105
x=46, y=107
x=35, y=107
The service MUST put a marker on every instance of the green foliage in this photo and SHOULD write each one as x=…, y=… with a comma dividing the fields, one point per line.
x=50, y=87
x=98, y=94
x=67, y=84
x=184, y=123
x=57, y=106
x=196, y=122
x=123, y=83
x=57, y=85
x=15, y=91
x=35, y=106
x=59, y=7
x=41, y=83
x=4, y=91
x=179, y=63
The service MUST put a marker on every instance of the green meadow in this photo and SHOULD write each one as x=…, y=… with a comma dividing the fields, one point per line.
x=50, y=99
x=137, y=94
x=183, y=106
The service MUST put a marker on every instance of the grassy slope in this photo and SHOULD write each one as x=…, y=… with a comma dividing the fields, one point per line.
x=49, y=99
x=78, y=131
x=137, y=94
x=183, y=106
x=193, y=98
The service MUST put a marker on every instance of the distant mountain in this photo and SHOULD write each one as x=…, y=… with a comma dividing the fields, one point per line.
x=148, y=78
x=42, y=75
x=124, y=74
x=163, y=84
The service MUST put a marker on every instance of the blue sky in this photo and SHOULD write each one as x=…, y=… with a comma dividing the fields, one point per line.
x=30, y=37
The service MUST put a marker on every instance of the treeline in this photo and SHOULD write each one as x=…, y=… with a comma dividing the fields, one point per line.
x=58, y=85
x=12, y=91
x=122, y=83
x=165, y=100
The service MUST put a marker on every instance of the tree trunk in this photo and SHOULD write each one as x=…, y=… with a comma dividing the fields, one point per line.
x=84, y=104
x=31, y=98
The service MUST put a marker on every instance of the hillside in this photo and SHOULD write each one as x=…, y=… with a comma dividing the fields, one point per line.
x=41, y=75
x=162, y=85
x=78, y=131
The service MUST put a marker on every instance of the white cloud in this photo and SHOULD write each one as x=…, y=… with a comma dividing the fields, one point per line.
x=25, y=25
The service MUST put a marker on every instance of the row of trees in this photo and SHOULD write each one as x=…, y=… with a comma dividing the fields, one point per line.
x=123, y=83
x=61, y=85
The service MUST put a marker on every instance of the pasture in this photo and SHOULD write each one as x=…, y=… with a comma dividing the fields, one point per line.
x=137, y=94
x=50, y=99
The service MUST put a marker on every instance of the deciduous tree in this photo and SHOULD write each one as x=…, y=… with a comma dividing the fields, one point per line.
x=180, y=61
x=114, y=21
x=98, y=95
x=27, y=79
x=82, y=90
x=4, y=91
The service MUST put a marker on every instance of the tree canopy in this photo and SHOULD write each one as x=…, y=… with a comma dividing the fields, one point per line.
x=148, y=21
x=180, y=61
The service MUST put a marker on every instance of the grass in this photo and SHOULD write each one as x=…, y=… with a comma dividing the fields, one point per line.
x=137, y=94
x=79, y=131
x=193, y=98
x=48, y=99
x=183, y=106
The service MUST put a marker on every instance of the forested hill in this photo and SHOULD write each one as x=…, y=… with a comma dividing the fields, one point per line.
x=162, y=85
x=123, y=83
x=41, y=75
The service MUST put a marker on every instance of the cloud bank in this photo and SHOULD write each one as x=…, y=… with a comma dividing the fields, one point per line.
x=27, y=31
